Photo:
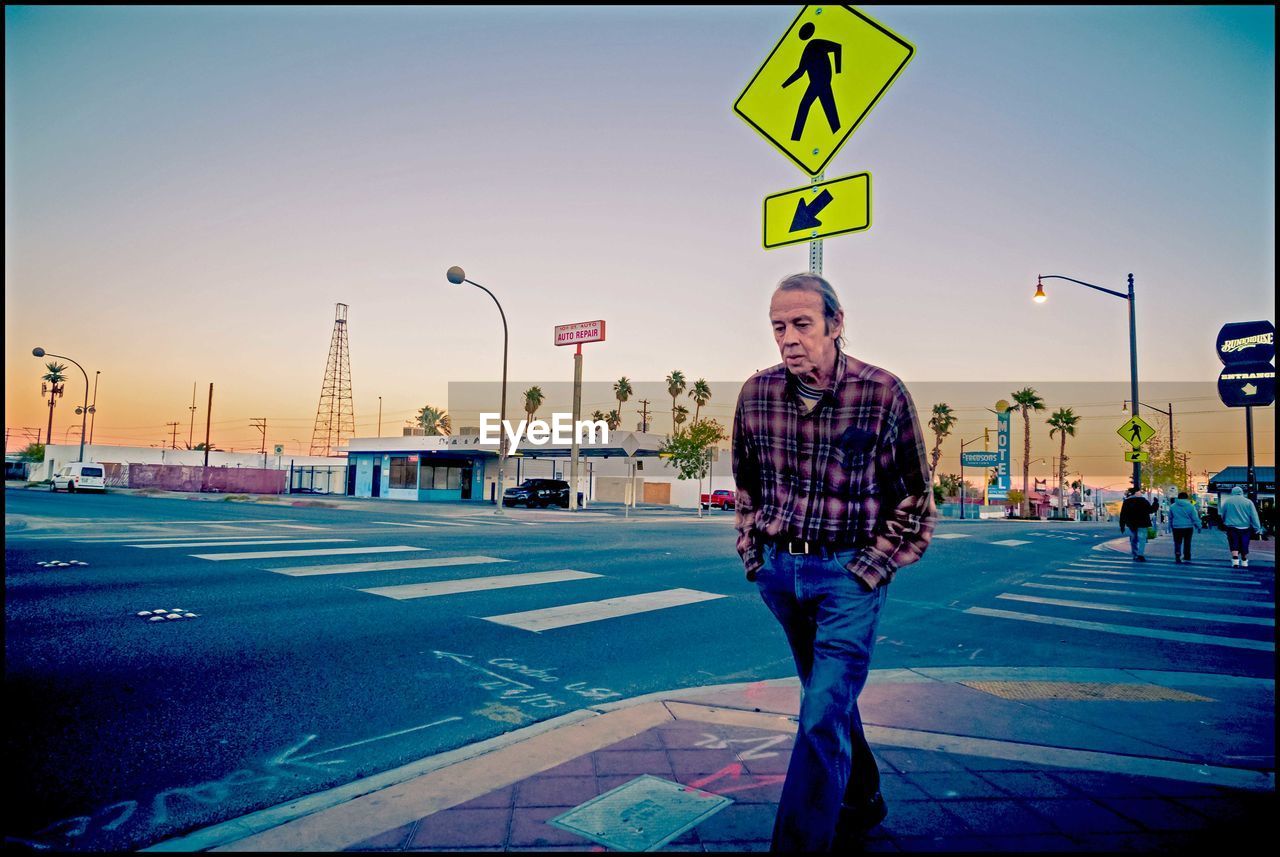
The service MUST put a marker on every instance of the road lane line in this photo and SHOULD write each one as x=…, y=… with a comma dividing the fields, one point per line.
x=1234, y=602
x=236, y=544
x=140, y=537
x=435, y=522
x=301, y=527
x=1147, y=611
x=1187, y=587
x=394, y=565
x=594, y=611
x=1011, y=543
x=217, y=557
x=477, y=584
x=953, y=535
x=1152, y=576
x=398, y=524
x=1128, y=630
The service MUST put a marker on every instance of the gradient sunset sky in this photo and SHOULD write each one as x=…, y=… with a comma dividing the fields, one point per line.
x=189, y=191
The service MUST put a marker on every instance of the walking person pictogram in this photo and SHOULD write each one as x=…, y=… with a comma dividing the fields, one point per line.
x=1135, y=434
x=815, y=64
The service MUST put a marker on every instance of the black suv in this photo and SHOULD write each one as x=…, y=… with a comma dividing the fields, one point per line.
x=538, y=492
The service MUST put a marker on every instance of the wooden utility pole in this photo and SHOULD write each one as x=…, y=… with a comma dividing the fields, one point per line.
x=644, y=415
x=173, y=443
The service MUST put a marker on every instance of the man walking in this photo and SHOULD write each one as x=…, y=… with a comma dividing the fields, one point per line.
x=833, y=498
x=1240, y=518
x=1184, y=519
x=1135, y=516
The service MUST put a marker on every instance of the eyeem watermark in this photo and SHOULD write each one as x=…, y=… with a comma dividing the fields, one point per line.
x=561, y=430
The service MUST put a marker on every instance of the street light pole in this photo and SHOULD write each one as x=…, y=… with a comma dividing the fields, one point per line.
x=963, y=444
x=457, y=276
x=93, y=409
x=84, y=413
x=1040, y=297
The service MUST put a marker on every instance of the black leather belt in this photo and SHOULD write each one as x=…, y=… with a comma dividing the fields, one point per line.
x=799, y=547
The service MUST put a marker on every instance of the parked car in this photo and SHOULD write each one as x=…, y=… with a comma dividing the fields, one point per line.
x=721, y=498
x=79, y=476
x=536, y=493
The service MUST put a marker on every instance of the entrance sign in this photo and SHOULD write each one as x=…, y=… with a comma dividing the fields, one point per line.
x=1247, y=342
x=979, y=459
x=821, y=80
x=1136, y=431
x=583, y=331
x=1136, y=456
x=1245, y=385
x=818, y=211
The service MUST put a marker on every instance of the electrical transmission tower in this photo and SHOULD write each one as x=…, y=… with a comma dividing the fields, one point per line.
x=335, y=417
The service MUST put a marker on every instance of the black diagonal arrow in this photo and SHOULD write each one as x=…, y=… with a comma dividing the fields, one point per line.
x=807, y=214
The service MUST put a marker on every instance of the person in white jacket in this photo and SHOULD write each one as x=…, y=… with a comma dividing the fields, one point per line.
x=1240, y=517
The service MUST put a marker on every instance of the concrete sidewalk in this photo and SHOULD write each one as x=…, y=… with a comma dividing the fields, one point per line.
x=981, y=759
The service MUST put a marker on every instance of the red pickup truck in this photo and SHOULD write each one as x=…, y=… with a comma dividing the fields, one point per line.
x=721, y=498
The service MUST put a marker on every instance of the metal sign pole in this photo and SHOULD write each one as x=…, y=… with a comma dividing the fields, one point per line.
x=1251, y=474
x=577, y=415
x=815, y=246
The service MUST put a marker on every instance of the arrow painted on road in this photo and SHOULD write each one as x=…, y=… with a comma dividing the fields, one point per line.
x=465, y=660
x=807, y=214
x=1249, y=389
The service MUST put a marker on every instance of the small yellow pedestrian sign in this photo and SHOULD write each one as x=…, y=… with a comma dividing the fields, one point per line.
x=1136, y=431
x=818, y=211
x=1135, y=456
x=820, y=81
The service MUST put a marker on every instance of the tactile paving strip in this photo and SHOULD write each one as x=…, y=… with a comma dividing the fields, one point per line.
x=1084, y=690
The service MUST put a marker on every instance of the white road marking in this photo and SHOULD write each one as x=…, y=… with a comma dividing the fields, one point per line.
x=594, y=611
x=216, y=557
x=436, y=521
x=398, y=524
x=301, y=527
x=1128, y=630
x=1154, y=576
x=477, y=584
x=1200, y=599
x=953, y=535
x=1012, y=543
x=394, y=565
x=1148, y=611
x=169, y=538
x=1187, y=587
x=236, y=544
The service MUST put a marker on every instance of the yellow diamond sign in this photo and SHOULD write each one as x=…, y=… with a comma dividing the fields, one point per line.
x=1136, y=431
x=821, y=80
x=818, y=211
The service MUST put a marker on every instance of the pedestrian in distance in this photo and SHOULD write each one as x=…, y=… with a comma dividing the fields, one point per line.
x=1184, y=519
x=1135, y=518
x=833, y=499
x=1240, y=517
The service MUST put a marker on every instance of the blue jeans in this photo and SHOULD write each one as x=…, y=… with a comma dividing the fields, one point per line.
x=1138, y=540
x=830, y=620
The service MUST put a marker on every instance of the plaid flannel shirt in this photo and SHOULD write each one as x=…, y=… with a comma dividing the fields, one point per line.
x=851, y=472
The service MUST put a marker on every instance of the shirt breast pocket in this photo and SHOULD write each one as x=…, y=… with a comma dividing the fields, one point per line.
x=856, y=449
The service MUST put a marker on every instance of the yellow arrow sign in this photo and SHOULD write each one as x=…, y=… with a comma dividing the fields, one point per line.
x=818, y=211
x=1136, y=455
x=820, y=81
x=1136, y=431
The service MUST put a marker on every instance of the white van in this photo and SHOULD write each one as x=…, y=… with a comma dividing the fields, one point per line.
x=80, y=476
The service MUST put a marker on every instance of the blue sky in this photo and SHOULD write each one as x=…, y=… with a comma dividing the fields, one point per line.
x=190, y=191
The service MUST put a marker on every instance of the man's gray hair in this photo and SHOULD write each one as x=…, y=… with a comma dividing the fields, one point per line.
x=815, y=283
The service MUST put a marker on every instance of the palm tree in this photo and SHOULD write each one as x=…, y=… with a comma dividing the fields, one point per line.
x=54, y=386
x=941, y=423
x=613, y=419
x=679, y=415
x=532, y=401
x=1026, y=400
x=1062, y=422
x=622, y=392
x=675, y=386
x=701, y=394
x=434, y=421
x=599, y=416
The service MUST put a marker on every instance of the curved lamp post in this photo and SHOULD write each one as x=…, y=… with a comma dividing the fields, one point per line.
x=457, y=276
x=84, y=411
x=1040, y=297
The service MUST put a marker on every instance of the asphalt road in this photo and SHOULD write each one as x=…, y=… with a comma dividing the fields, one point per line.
x=126, y=731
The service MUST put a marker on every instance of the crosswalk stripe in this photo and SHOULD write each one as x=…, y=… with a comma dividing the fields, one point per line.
x=399, y=524
x=477, y=584
x=1149, y=611
x=435, y=521
x=1012, y=543
x=394, y=565
x=594, y=611
x=1234, y=602
x=217, y=557
x=169, y=538
x=1187, y=587
x=236, y=544
x=1201, y=567
x=301, y=527
x=1226, y=581
x=953, y=535
x=1127, y=630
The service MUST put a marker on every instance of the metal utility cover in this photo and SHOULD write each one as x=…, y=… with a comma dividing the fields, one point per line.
x=642, y=815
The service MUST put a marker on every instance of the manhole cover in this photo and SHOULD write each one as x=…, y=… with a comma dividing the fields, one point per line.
x=642, y=815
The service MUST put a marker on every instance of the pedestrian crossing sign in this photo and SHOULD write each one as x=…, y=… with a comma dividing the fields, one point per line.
x=820, y=81
x=1135, y=456
x=1136, y=431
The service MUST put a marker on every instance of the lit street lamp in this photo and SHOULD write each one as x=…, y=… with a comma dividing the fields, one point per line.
x=457, y=276
x=84, y=410
x=1040, y=297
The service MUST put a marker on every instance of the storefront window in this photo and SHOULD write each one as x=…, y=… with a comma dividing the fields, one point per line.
x=404, y=472
x=442, y=477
